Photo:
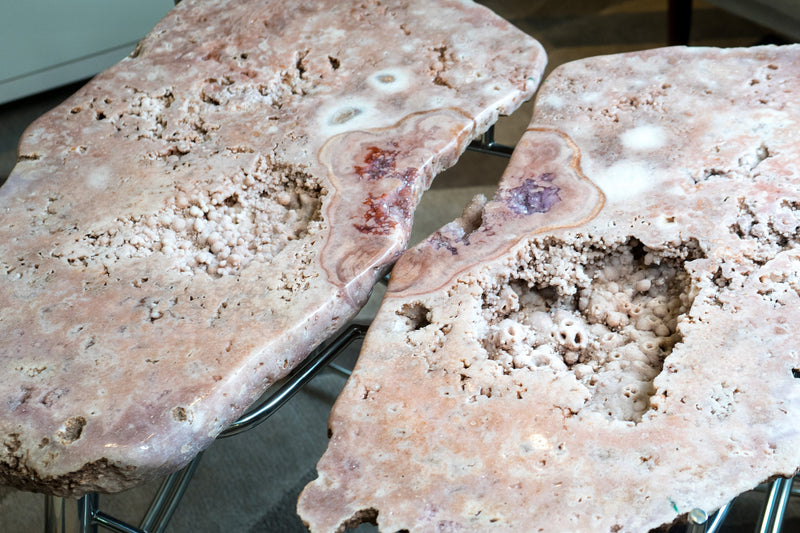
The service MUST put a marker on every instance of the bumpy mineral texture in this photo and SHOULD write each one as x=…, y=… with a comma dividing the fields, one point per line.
x=187, y=227
x=612, y=340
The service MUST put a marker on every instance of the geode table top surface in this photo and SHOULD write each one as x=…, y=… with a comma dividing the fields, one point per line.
x=182, y=231
x=611, y=341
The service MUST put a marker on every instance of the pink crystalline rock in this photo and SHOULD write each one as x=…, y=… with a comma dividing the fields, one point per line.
x=182, y=231
x=611, y=341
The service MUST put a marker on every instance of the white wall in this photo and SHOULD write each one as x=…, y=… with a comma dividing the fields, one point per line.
x=47, y=43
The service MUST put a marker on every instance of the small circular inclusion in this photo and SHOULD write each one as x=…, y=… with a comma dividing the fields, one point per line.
x=389, y=81
x=344, y=115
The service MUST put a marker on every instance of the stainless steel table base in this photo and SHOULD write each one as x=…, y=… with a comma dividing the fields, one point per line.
x=64, y=515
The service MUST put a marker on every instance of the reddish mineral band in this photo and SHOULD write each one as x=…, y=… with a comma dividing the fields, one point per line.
x=546, y=161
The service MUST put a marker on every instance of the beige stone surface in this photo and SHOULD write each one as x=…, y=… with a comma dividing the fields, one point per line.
x=611, y=341
x=182, y=231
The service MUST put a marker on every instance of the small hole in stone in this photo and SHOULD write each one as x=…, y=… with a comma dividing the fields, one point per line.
x=73, y=428
x=796, y=372
x=334, y=62
x=637, y=250
x=417, y=315
x=386, y=78
x=549, y=295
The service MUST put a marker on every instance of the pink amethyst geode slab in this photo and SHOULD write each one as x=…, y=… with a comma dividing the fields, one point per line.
x=182, y=232
x=612, y=340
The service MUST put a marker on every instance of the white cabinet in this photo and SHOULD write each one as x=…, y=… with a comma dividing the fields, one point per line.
x=47, y=43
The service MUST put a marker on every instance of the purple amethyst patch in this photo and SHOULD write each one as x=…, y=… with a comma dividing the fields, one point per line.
x=535, y=195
